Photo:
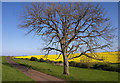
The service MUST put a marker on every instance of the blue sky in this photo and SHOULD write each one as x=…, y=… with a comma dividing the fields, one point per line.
x=14, y=41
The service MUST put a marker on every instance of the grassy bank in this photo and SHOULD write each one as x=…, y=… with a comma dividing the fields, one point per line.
x=9, y=73
x=76, y=74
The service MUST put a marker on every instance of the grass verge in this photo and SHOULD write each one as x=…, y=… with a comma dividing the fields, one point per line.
x=9, y=73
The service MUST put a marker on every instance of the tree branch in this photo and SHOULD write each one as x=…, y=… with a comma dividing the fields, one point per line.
x=49, y=48
x=86, y=56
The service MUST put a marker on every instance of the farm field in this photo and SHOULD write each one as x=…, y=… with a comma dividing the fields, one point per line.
x=109, y=57
x=9, y=73
x=76, y=74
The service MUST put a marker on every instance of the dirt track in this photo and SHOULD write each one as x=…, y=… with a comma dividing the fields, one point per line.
x=35, y=75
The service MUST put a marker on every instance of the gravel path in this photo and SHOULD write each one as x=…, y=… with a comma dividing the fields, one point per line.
x=35, y=75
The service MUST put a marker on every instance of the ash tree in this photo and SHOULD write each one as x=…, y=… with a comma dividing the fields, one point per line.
x=69, y=28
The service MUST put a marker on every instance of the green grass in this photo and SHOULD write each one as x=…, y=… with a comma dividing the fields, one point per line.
x=9, y=73
x=76, y=74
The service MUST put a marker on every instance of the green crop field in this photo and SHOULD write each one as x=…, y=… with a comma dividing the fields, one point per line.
x=76, y=74
x=9, y=73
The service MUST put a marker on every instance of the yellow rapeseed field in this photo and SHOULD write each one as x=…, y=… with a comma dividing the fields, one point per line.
x=111, y=57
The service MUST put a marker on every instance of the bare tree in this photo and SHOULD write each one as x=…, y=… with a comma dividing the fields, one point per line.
x=70, y=27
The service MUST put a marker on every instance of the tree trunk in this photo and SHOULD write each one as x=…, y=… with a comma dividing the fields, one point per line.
x=66, y=64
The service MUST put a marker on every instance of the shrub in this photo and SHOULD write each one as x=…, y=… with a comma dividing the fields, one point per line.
x=83, y=65
x=95, y=66
x=112, y=69
x=72, y=63
x=118, y=69
x=26, y=59
x=56, y=62
x=47, y=61
x=20, y=58
x=106, y=67
x=51, y=61
x=33, y=59
x=99, y=66
x=41, y=60
x=60, y=62
x=77, y=65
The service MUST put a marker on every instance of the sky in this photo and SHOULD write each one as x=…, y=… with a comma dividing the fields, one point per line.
x=14, y=41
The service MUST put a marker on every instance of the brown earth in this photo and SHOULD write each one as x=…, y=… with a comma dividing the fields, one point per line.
x=35, y=75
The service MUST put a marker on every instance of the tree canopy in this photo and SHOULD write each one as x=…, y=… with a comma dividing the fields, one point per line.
x=70, y=27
